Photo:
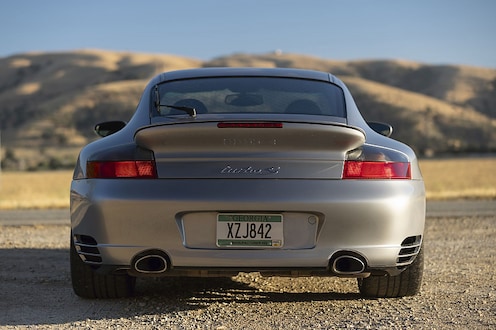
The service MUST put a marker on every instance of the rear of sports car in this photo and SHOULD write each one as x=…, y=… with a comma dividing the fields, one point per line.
x=246, y=172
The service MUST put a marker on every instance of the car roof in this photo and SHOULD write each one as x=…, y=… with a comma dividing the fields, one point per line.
x=229, y=72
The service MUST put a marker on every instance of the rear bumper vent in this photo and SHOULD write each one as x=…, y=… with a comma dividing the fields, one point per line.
x=86, y=247
x=410, y=247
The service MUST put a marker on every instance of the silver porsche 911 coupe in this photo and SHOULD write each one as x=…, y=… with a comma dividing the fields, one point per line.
x=228, y=170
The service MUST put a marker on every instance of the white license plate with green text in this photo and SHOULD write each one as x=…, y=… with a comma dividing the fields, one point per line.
x=250, y=230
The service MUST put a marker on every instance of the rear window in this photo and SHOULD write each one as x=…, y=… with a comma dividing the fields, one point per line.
x=249, y=95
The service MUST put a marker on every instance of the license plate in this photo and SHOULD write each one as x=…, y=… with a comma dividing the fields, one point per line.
x=249, y=230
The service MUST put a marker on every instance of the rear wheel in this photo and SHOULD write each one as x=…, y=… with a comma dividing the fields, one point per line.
x=405, y=284
x=87, y=283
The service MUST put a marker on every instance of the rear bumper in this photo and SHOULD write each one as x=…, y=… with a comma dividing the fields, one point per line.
x=126, y=217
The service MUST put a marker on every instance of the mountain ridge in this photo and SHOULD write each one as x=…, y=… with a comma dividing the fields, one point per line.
x=52, y=100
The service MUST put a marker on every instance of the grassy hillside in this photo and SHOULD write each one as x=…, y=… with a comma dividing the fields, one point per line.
x=49, y=98
x=49, y=102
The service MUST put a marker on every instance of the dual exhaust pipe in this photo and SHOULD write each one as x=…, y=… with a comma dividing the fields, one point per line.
x=155, y=262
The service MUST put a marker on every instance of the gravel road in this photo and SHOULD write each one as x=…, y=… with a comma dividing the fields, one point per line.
x=458, y=291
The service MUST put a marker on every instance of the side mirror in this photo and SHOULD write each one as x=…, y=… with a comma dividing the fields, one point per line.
x=108, y=128
x=381, y=128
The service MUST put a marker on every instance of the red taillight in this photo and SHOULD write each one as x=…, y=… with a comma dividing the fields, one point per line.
x=250, y=125
x=143, y=169
x=376, y=170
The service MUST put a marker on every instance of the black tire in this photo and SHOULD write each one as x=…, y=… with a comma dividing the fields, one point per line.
x=87, y=283
x=405, y=284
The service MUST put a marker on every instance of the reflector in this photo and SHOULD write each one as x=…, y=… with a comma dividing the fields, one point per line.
x=121, y=169
x=376, y=170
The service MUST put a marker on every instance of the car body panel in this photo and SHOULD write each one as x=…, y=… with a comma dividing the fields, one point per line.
x=142, y=215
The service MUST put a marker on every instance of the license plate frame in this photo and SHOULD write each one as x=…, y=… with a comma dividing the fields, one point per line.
x=250, y=230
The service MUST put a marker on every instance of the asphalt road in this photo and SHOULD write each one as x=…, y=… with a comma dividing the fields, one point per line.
x=458, y=208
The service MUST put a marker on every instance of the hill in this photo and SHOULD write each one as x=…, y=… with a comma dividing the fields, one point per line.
x=49, y=102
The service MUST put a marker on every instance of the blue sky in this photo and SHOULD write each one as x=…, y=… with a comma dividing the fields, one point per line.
x=428, y=31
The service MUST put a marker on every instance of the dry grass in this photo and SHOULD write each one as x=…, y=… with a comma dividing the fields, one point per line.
x=414, y=102
x=460, y=178
x=444, y=179
x=34, y=190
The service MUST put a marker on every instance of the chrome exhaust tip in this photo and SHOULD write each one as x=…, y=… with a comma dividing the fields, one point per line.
x=151, y=264
x=348, y=265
